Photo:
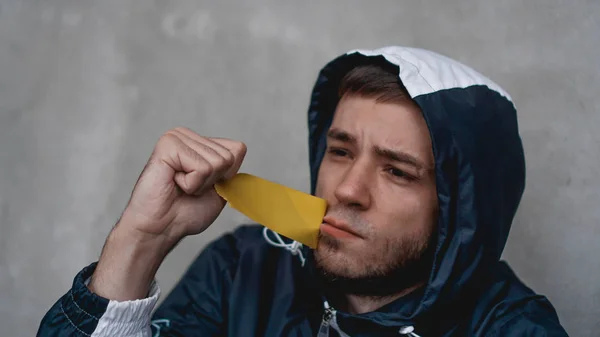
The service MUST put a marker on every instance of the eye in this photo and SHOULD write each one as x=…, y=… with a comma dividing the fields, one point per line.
x=399, y=174
x=338, y=152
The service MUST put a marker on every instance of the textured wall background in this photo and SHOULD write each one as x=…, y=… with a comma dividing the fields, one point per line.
x=87, y=87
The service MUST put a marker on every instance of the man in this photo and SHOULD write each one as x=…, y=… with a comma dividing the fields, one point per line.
x=421, y=164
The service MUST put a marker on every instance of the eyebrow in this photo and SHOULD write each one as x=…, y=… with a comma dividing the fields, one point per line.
x=340, y=135
x=397, y=156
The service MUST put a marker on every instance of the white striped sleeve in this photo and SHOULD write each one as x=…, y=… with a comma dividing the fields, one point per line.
x=128, y=318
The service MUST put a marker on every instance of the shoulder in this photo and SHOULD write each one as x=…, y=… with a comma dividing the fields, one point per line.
x=246, y=244
x=533, y=318
x=513, y=309
x=229, y=246
x=244, y=238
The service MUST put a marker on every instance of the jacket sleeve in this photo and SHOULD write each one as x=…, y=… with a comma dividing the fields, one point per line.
x=82, y=313
x=196, y=305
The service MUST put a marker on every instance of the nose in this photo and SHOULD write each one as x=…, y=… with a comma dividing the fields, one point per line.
x=354, y=190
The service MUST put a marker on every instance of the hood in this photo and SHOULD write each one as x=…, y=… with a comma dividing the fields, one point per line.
x=479, y=161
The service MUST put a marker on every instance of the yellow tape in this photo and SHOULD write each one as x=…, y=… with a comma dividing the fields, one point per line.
x=289, y=212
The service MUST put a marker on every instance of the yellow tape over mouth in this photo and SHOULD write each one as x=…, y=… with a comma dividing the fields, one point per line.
x=287, y=211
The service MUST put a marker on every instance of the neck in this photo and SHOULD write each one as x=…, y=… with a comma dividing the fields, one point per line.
x=360, y=304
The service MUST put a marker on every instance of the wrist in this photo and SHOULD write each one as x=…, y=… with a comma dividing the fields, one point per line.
x=128, y=264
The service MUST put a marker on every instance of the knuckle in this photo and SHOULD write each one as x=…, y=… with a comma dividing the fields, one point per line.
x=171, y=131
x=223, y=163
x=228, y=159
x=181, y=129
x=171, y=134
x=167, y=139
x=241, y=148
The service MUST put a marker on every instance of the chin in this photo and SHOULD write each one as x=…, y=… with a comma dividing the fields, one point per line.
x=338, y=258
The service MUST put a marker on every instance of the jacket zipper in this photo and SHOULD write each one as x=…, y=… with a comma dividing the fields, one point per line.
x=328, y=315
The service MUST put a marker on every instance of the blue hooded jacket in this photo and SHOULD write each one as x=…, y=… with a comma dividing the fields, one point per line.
x=243, y=284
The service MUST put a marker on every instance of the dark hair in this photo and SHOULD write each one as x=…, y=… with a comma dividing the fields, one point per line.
x=374, y=82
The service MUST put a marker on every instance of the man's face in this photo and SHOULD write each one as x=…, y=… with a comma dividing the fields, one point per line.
x=378, y=179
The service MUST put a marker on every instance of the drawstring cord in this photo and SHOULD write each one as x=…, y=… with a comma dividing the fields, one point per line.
x=294, y=247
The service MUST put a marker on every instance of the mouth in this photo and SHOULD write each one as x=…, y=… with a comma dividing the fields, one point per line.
x=338, y=229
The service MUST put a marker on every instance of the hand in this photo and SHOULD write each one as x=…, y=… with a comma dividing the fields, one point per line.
x=173, y=197
x=175, y=194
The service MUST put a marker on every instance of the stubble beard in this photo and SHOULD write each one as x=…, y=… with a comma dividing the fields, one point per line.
x=388, y=269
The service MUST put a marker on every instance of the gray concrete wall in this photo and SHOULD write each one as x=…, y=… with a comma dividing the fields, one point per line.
x=86, y=88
